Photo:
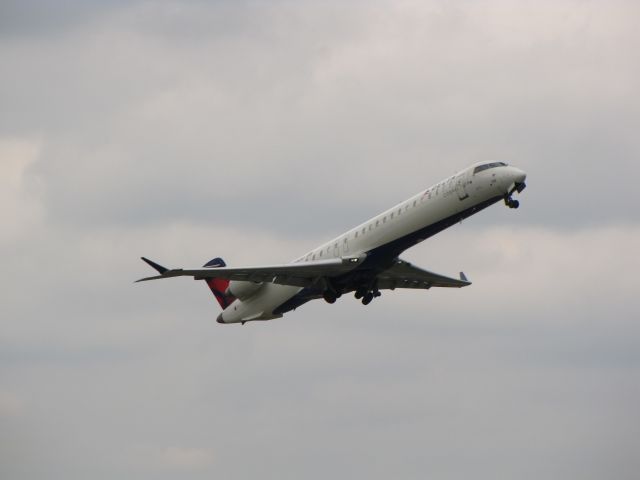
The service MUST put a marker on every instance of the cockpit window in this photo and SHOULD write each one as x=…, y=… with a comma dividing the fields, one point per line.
x=487, y=166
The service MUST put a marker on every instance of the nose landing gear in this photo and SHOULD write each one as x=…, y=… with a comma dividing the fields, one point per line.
x=510, y=202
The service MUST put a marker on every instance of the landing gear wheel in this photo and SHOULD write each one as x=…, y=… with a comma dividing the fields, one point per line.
x=360, y=293
x=329, y=297
x=511, y=203
x=366, y=300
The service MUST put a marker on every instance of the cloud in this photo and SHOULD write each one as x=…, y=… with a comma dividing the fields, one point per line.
x=10, y=404
x=20, y=205
x=187, y=458
x=356, y=103
x=254, y=131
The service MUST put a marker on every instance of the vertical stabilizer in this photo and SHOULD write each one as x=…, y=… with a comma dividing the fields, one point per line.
x=219, y=286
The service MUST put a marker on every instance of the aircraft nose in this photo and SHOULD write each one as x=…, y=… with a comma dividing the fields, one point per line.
x=518, y=175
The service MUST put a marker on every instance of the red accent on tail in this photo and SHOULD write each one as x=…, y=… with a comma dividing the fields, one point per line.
x=219, y=286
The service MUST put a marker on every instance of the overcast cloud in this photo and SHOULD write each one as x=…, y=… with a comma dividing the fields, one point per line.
x=255, y=130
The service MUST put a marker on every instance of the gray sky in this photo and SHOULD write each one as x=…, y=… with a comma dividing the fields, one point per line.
x=256, y=130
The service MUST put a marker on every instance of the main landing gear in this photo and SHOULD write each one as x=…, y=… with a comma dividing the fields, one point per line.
x=367, y=295
x=330, y=296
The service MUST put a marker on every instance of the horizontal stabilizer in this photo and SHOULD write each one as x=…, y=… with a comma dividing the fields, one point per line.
x=159, y=268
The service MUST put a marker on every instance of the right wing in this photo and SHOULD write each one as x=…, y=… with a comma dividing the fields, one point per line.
x=404, y=275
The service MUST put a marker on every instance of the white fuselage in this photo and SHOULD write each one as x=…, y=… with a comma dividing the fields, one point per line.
x=444, y=200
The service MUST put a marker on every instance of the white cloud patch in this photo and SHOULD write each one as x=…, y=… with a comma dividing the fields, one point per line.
x=20, y=206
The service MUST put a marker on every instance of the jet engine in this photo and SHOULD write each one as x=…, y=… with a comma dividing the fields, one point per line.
x=243, y=290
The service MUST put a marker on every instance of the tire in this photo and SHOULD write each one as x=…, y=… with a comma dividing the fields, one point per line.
x=329, y=297
x=366, y=300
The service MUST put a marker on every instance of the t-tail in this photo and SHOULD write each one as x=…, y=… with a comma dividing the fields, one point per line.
x=218, y=286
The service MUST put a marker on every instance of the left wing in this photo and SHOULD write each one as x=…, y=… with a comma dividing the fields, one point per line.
x=302, y=274
x=404, y=275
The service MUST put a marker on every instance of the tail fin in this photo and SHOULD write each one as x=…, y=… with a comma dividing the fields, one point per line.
x=219, y=285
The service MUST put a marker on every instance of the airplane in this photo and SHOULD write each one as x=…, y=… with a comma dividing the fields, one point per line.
x=364, y=260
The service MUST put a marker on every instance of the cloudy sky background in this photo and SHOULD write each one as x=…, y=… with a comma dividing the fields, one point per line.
x=256, y=130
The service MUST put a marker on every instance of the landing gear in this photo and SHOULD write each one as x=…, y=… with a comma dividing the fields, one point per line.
x=367, y=295
x=366, y=300
x=329, y=296
x=511, y=203
x=360, y=292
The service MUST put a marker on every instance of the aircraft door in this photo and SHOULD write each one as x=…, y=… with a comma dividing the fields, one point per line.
x=461, y=186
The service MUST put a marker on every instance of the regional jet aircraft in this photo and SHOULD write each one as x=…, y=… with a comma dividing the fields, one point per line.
x=364, y=260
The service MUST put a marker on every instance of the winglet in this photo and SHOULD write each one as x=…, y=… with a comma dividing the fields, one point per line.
x=159, y=268
x=463, y=277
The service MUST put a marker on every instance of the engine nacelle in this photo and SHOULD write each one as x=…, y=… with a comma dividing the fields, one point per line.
x=243, y=290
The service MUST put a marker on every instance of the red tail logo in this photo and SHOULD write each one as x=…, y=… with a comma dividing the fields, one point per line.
x=219, y=285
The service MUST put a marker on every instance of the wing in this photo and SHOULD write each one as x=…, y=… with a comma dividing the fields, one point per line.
x=302, y=274
x=405, y=275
